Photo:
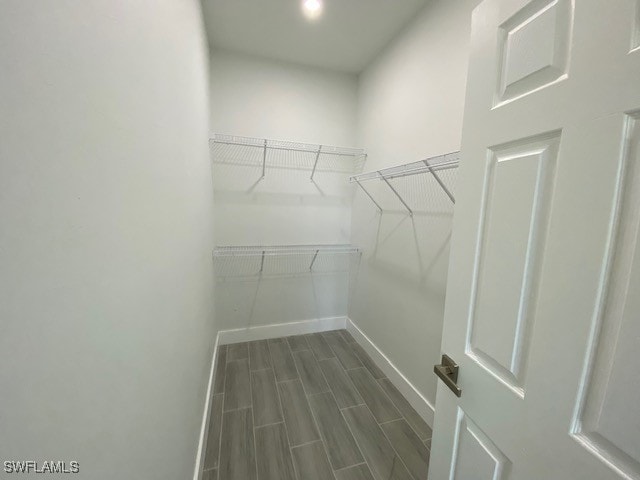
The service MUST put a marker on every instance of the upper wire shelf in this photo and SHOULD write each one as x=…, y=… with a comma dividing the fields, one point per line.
x=431, y=165
x=242, y=261
x=264, y=153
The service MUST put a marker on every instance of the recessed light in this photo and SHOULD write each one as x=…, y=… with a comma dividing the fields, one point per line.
x=312, y=8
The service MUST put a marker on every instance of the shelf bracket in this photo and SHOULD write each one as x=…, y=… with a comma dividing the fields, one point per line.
x=314, y=260
x=315, y=164
x=440, y=182
x=264, y=159
x=368, y=194
x=397, y=194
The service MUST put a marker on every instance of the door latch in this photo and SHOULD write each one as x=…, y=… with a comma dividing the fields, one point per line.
x=448, y=373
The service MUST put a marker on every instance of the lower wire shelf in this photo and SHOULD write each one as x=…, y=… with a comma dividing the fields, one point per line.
x=283, y=260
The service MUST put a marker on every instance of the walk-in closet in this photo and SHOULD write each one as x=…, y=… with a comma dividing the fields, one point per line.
x=320, y=239
x=334, y=192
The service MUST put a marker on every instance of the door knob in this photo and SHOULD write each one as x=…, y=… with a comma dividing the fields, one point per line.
x=448, y=373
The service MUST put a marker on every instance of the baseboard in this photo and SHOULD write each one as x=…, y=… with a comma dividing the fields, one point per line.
x=204, y=429
x=263, y=332
x=402, y=383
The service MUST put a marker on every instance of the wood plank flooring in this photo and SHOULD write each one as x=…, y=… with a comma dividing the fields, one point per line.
x=310, y=407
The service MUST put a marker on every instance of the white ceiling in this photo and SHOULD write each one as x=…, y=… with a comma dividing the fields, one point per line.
x=348, y=35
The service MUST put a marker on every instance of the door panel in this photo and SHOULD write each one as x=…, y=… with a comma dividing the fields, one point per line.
x=543, y=298
x=612, y=375
x=513, y=231
x=534, y=48
x=475, y=454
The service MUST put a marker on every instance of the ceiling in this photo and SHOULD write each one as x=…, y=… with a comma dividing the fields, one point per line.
x=348, y=35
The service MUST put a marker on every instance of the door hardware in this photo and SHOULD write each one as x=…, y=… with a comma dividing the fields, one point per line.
x=448, y=373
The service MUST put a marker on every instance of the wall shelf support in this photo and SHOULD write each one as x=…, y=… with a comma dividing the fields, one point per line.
x=440, y=182
x=369, y=195
x=315, y=255
x=315, y=164
x=397, y=195
x=264, y=159
x=427, y=166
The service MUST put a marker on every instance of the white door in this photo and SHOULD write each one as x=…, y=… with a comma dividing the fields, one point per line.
x=543, y=298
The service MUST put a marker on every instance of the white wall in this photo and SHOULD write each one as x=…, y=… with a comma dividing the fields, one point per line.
x=273, y=99
x=106, y=312
x=276, y=100
x=410, y=107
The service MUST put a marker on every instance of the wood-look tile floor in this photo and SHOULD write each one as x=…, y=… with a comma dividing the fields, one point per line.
x=310, y=407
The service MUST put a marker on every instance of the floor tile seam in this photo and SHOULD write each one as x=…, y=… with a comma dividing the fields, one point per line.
x=268, y=425
x=303, y=387
x=315, y=354
x=253, y=419
x=355, y=440
x=306, y=397
x=385, y=395
x=284, y=418
x=345, y=371
x=260, y=369
x=396, y=452
x=391, y=443
x=400, y=411
x=350, y=466
x=220, y=439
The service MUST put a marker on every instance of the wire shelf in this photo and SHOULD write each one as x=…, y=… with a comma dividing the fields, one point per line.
x=264, y=154
x=434, y=166
x=278, y=260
